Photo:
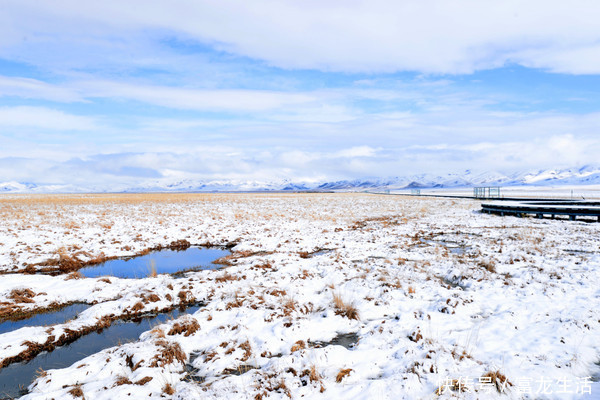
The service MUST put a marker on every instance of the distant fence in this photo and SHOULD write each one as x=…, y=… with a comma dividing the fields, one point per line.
x=486, y=192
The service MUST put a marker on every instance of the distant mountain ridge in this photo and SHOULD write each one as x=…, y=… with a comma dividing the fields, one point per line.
x=586, y=175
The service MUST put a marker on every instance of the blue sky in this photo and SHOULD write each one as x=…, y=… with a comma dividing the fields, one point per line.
x=121, y=93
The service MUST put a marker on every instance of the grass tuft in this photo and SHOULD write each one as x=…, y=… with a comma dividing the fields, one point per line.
x=342, y=374
x=497, y=379
x=344, y=309
x=152, y=273
x=488, y=265
x=247, y=348
x=137, y=307
x=67, y=263
x=74, y=275
x=22, y=295
x=299, y=345
x=168, y=353
x=187, y=327
x=122, y=380
x=314, y=375
x=76, y=391
x=168, y=389
x=143, y=381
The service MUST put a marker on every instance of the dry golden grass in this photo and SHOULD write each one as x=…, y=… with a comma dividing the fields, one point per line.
x=342, y=374
x=152, y=273
x=13, y=202
x=77, y=214
x=74, y=275
x=168, y=353
x=454, y=386
x=187, y=327
x=40, y=372
x=143, y=381
x=22, y=295
x=168, y=389
x=247, y=350
x=122, y=380
x=488, y=265
x=226, y=277
x=299, y=345
x=157, y=333
x=312, y=373
x=35, y=211
x=76, y=391
x=499, y=380
x=344, y=309
x=150, y=298
x=185, y=296
x=137, y=307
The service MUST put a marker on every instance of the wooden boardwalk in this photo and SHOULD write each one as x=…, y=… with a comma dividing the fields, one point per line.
x=541, y=209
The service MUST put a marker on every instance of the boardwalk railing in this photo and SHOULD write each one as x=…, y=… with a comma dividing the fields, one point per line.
x=572, y=209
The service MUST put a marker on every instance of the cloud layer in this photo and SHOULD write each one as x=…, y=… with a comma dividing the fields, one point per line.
x=431, y=36
x=109, y=93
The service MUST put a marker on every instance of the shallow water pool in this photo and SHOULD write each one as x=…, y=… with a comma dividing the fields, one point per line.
x=163, y=261
x=50, y=318
x=15, y=378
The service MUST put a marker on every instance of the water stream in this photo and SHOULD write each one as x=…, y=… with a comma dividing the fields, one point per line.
x=15, y=378
x=163, y=262
x=50, y=318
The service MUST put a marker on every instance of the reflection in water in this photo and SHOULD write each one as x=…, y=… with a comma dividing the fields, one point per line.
x=163, y=262
x=15, y=378
x=49, y=318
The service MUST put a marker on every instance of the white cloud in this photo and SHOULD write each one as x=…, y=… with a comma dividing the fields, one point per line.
x=359, y=151
x=44, y=118
x=195, y=99
x=202, y=162
x=35, y=89
x=164, y=96
x=211, y=122
x=435, y=36
x=317, y=113
x=580, y=58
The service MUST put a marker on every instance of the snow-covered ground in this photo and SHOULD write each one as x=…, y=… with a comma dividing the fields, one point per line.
x=441, y=297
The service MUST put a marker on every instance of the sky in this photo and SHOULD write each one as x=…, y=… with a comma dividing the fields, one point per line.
x=113, y=93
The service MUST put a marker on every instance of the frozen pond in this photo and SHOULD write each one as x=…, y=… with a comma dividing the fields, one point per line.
x=163, y=261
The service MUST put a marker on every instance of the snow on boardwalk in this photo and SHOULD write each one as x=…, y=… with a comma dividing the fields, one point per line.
x=515, y=311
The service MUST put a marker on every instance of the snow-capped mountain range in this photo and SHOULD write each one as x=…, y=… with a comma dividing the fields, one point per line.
x=586, y=175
